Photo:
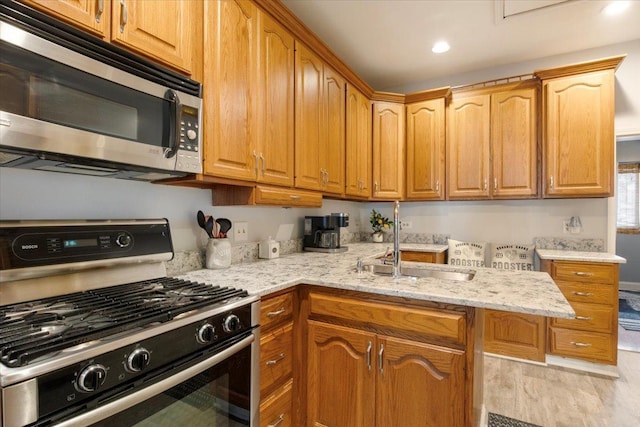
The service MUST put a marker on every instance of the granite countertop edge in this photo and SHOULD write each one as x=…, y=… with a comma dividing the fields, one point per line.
x=515, y=291
x=564, y=255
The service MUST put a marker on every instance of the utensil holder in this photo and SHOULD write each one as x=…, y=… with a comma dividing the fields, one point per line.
x=218, y=254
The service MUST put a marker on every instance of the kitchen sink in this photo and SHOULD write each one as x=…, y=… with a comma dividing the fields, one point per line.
x=387, y=270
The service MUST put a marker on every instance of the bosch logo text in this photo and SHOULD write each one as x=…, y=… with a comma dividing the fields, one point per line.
x=27, y=247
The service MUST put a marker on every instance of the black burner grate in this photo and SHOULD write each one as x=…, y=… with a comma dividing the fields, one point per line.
x=35, y=329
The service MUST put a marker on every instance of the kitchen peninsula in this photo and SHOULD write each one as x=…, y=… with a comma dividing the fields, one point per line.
x=341, y=347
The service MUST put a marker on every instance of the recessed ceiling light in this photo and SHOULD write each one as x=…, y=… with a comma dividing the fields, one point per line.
x=616, y=7
x=440, y=47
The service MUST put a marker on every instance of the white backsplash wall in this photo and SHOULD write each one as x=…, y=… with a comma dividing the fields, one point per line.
x=508, y=221
x=28, y=194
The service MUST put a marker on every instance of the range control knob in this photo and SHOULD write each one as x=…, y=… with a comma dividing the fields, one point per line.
x=138, y=359
x=206, y=333
x=91, y=378
x=231, y=323
x=123, y=240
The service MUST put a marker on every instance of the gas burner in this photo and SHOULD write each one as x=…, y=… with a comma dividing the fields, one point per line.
x=34, y=329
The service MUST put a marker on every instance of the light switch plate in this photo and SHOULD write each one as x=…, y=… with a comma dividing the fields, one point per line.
x=240, y=231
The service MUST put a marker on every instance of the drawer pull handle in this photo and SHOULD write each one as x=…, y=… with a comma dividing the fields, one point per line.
x=295, y=197
x=369, y=356
x=123, y=17
x=380, y=356
x=582, y=294
x=583, y=274
x=277, y=423
x=276, y=313
x=274, y=361
x=583, y=317
x=580, y=344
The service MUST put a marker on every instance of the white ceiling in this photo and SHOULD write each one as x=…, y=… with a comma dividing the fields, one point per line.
x=388, y=42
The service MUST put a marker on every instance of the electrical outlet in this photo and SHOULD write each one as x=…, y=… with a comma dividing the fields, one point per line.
x=241, y=231
x=405, y=225
x=565, y=226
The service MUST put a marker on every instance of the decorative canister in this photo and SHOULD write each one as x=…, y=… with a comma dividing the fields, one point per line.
x=218, y=253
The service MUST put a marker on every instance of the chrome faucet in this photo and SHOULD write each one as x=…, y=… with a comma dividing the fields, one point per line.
x=396, y=239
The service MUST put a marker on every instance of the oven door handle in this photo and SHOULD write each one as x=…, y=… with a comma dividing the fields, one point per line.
x=133, y=399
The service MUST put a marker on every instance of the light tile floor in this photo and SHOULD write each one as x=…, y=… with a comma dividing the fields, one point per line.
x=556, y=397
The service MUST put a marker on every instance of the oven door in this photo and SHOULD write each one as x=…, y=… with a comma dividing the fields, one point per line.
x=220, y=391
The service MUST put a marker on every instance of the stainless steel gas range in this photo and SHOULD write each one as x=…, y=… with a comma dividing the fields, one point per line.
x=92, y=332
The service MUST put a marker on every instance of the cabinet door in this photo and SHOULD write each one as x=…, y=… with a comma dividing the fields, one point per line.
x=358, y=144
x=308, y=118
x=515, y=335
x=468, y=147
x=426, y=150
x=388, y=150
x=579, y=135
x=231, y=76
x=163, y=30
x=332, y=146
x=88, y=15
x=514, y=143
x=275, y=141
x=419, y=384
x=340, y=377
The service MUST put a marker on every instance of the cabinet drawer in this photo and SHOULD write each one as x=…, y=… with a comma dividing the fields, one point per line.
x=589, y=317
x=287, y=197
x=275, y=409
x=589, y=292
x=276, y=358
x=424, y=321
x=590, y=346
x=276, y=310
x=585, y=272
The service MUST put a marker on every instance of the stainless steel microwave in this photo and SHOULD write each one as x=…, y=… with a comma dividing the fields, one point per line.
x=73, y=103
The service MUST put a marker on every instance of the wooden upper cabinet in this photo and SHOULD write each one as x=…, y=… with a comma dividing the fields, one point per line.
x=468, y=147
x=418, y=369
x=162, y=30
x=388, y=150
x=493, y=143
x=276, y=103
x=231, y=46
x=426, y=150
x=514, y=143
x=332, y=148
x=319, y=124
x=358, y=144
x=88, y=15
x=579, y=135
x=165, y=31
x=308, y=118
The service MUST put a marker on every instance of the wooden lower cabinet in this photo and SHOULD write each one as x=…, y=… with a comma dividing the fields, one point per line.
x=592, y=290
x=277, y=359
x=515, y=334
x=419, y=256
x=362, y=373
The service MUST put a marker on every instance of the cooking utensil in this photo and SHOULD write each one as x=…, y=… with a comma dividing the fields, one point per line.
x=209, y=226
x=202, y=220
x=225, y=226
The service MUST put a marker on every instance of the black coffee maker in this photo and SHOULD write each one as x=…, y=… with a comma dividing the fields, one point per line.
x=322, y=233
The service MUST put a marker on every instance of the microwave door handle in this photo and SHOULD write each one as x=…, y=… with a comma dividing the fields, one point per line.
x=174, y=119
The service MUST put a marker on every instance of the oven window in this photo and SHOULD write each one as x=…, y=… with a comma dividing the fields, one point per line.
x=43, y=89
x=218, y=397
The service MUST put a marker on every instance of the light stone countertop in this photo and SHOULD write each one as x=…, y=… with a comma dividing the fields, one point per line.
x=561, y=255
x=516, y=291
